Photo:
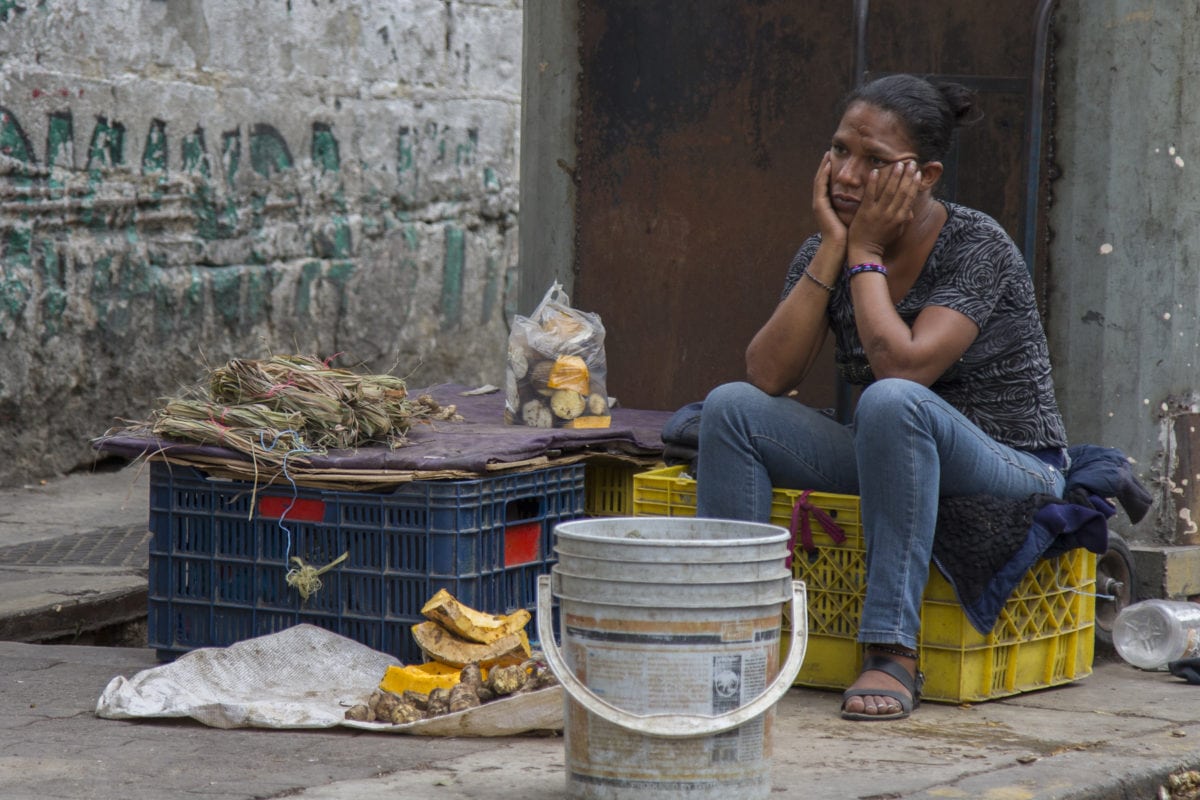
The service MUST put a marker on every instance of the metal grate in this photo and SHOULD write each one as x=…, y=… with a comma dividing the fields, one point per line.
x=108, y=547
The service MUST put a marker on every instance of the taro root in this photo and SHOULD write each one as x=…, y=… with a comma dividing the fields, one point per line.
x=506, y=680
x=462, y=697
x=386, y=705
x=360, y=712
x=416, y=699
x=439, y=702
x=403, y=713
x=540, y=677
x=471, y=675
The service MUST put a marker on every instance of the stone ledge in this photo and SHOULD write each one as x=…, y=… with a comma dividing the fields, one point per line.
x=64, y=607
x=1169, y=572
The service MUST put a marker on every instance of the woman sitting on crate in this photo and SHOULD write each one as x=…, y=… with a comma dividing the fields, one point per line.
x=933, y=312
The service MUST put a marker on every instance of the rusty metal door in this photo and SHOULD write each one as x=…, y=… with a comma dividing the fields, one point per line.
x=699, y=129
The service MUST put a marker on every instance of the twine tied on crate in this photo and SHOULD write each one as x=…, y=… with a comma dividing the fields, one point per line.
x=306, y=579
x=800, y=514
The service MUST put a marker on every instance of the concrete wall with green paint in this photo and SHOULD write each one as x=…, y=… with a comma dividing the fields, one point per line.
x=184, y=182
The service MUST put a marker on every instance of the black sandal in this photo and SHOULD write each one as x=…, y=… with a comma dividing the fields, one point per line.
x=894, y=669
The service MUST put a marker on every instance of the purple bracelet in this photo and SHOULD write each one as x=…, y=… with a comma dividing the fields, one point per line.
x=860, y=268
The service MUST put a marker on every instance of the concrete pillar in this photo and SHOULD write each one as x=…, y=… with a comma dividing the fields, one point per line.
x=1125, y=253
x=549, y=109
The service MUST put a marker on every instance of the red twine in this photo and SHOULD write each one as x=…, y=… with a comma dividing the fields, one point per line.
x=801, y=512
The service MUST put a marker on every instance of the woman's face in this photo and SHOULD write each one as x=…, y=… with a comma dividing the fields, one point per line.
x=867, y=138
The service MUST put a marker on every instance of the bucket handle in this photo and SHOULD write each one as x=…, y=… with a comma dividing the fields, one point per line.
x=676, y=726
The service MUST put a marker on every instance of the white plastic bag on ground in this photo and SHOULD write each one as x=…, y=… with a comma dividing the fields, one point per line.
x=302, y=677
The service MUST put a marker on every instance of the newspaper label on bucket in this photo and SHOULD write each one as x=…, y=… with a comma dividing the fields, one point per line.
x=704, y=676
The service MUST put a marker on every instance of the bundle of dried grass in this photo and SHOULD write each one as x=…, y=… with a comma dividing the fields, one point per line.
x=288, y=406
x=244, y=428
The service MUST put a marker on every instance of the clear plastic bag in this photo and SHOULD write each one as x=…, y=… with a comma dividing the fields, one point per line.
x=556, y=373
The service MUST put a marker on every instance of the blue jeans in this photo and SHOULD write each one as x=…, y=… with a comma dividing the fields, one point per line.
x=905, y=448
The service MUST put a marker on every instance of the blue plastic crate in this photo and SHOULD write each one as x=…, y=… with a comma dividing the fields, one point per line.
x=220, y=552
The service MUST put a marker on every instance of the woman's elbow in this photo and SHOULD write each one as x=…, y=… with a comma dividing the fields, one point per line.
x=765, y=375
x=763, y=383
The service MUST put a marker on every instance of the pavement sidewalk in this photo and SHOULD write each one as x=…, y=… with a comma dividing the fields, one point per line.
x=73, y=557
x=70, y=548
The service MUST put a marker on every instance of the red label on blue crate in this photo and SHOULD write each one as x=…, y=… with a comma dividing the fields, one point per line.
x=522, y=543
x=296, y=508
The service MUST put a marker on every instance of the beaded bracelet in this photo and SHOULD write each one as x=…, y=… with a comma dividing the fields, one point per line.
x=860, y=268
x=817, y=281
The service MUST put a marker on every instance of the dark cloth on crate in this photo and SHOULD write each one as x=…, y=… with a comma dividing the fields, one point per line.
x=1105, y=472
x=479, y=444
x=985, y=545
x=681, y=436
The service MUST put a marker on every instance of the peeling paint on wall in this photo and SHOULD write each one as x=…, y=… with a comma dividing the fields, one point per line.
x=310, y=186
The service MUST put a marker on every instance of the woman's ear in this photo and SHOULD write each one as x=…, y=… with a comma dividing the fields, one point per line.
x=931, y=173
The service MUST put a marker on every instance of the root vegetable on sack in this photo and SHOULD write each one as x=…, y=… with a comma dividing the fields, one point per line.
x=403, y=713
x=473, y=691
x=462, y=697
x=417, y=699
x=360, y=712
x=506, y=680
x=439, y=702
x=474, y=658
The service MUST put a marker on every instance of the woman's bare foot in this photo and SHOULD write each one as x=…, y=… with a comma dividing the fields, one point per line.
x=877, y=705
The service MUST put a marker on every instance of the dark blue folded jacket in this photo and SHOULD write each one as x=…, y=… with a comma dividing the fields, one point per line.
x=985, y=545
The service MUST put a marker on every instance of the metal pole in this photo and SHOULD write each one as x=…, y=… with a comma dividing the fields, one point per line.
x=1037, y=102
x=862, y=8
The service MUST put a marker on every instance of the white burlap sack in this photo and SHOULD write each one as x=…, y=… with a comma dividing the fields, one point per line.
x=302, y=677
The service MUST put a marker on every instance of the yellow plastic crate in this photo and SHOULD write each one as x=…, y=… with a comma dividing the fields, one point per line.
x=608, y=487
x=1043, y=637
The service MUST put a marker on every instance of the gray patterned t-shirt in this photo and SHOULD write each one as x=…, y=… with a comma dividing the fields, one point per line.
x=1002, y=383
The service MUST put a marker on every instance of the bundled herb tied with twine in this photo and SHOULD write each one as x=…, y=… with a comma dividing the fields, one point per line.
x=290, y=405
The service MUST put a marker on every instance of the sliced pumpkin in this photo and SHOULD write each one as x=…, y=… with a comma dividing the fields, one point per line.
x=441, y=645
x=421, y=678
x=470, y=624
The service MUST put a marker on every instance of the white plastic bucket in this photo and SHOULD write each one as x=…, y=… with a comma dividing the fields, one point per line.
x=670, y=631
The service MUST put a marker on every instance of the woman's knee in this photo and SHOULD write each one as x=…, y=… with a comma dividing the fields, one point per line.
x=731, y=400
x=888, y=399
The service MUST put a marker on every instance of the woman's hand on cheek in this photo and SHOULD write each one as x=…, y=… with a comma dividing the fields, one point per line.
x=887, y=208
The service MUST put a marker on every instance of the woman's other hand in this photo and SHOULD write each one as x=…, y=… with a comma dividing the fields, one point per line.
x=833, y=230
